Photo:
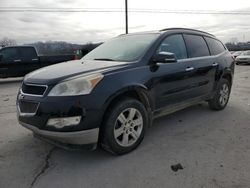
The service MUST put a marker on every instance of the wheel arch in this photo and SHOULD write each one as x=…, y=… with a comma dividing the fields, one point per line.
x=226, y=73
x=228, y=76
x=139, y=92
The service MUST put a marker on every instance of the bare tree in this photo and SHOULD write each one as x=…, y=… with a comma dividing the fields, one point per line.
x=7, y=42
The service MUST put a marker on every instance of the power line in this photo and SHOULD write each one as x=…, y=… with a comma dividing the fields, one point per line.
x=76, y=11
x=119, y=10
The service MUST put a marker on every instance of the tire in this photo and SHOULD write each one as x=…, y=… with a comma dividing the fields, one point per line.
x=124, y=126
x=221, y=97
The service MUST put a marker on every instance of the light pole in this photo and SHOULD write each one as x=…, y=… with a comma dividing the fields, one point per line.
x=126, y=15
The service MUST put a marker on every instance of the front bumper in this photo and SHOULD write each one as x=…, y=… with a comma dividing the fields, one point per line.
x=74, y=138
x=41, y=109
x=38, y=111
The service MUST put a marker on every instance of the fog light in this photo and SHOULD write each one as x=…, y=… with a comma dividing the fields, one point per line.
x=64, y=122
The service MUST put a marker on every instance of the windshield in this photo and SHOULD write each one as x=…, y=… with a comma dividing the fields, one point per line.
x=246, y=53
x=123, y=48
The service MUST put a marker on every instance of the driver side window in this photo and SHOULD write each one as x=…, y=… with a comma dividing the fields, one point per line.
x=174, y=44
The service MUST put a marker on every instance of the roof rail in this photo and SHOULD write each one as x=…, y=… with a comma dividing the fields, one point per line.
x=166, y=29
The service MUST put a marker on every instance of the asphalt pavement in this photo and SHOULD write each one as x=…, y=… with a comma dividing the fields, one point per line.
x=213, y=148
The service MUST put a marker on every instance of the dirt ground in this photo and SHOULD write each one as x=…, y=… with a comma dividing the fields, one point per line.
x=212, y=147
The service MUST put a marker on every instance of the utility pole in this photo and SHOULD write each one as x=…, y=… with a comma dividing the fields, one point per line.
x=126, y=15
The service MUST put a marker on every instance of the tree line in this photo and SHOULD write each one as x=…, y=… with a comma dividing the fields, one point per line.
x=53, y=47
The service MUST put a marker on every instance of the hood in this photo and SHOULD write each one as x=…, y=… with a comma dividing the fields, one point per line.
x=55, y=73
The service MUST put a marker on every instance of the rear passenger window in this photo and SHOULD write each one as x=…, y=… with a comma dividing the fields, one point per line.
x=215, y=46
x=196, y=46
x=174, y=44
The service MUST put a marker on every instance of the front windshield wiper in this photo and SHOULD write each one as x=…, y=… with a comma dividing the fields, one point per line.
x=104, y=59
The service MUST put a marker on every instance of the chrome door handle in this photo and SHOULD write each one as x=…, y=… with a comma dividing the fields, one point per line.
x=34, y=59
x=214, y=64
x=17, y=60
x=189, y=68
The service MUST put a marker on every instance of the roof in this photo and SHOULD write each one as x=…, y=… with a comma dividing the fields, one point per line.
x=171, y=29
x=187, y=29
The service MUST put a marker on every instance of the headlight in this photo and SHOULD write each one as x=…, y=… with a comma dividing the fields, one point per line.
x=78, y=86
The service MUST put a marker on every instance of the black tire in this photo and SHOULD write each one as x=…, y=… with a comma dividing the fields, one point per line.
x=216, y=103
x=112, y=123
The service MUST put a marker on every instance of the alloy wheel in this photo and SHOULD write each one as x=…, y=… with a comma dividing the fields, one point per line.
x=224, y=95
x=128, y=127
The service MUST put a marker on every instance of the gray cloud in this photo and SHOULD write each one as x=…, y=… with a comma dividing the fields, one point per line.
x=229, y=26
x=27, y=27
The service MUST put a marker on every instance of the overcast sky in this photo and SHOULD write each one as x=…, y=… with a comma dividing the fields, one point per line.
x=81, y=27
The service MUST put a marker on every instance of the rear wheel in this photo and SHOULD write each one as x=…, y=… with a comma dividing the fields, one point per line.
x=221, y=97
x=124, y=126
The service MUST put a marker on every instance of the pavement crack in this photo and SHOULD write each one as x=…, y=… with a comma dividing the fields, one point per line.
x=44, y=168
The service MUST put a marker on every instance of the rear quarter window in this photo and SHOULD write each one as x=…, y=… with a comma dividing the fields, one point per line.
x=196, y=46
x=215, y=46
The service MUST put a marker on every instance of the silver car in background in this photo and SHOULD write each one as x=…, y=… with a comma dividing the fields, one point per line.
x=236, y=53
x=243, y=58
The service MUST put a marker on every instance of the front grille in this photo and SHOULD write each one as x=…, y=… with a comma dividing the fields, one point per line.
x=33, y=89
x=28, y=107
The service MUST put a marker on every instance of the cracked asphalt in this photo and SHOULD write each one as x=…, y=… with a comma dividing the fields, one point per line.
x=212, y=147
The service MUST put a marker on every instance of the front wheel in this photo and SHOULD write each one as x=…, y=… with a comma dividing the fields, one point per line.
x=124, y=126
x=221, y=97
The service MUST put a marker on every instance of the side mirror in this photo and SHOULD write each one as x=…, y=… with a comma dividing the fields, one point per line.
x=165, y=57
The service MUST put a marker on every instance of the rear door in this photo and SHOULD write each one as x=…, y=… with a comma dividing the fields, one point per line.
x=29, y=59
x=204, y=65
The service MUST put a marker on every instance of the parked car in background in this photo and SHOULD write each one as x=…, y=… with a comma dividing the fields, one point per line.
x=112, y=94
x=85, y=50
x=237, y=53
x=243, y=58
x=20, y=60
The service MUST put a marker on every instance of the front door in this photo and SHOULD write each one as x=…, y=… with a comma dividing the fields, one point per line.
x=172, y=82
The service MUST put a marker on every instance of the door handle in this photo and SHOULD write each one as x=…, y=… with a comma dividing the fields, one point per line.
x=214, y=64
x=189, y=68
x=34, y=59
x=17, y=60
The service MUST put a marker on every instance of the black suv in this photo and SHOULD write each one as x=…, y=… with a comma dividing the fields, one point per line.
x=111, y=95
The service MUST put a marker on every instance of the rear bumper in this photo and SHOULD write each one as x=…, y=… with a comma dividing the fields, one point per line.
x=74, y=138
